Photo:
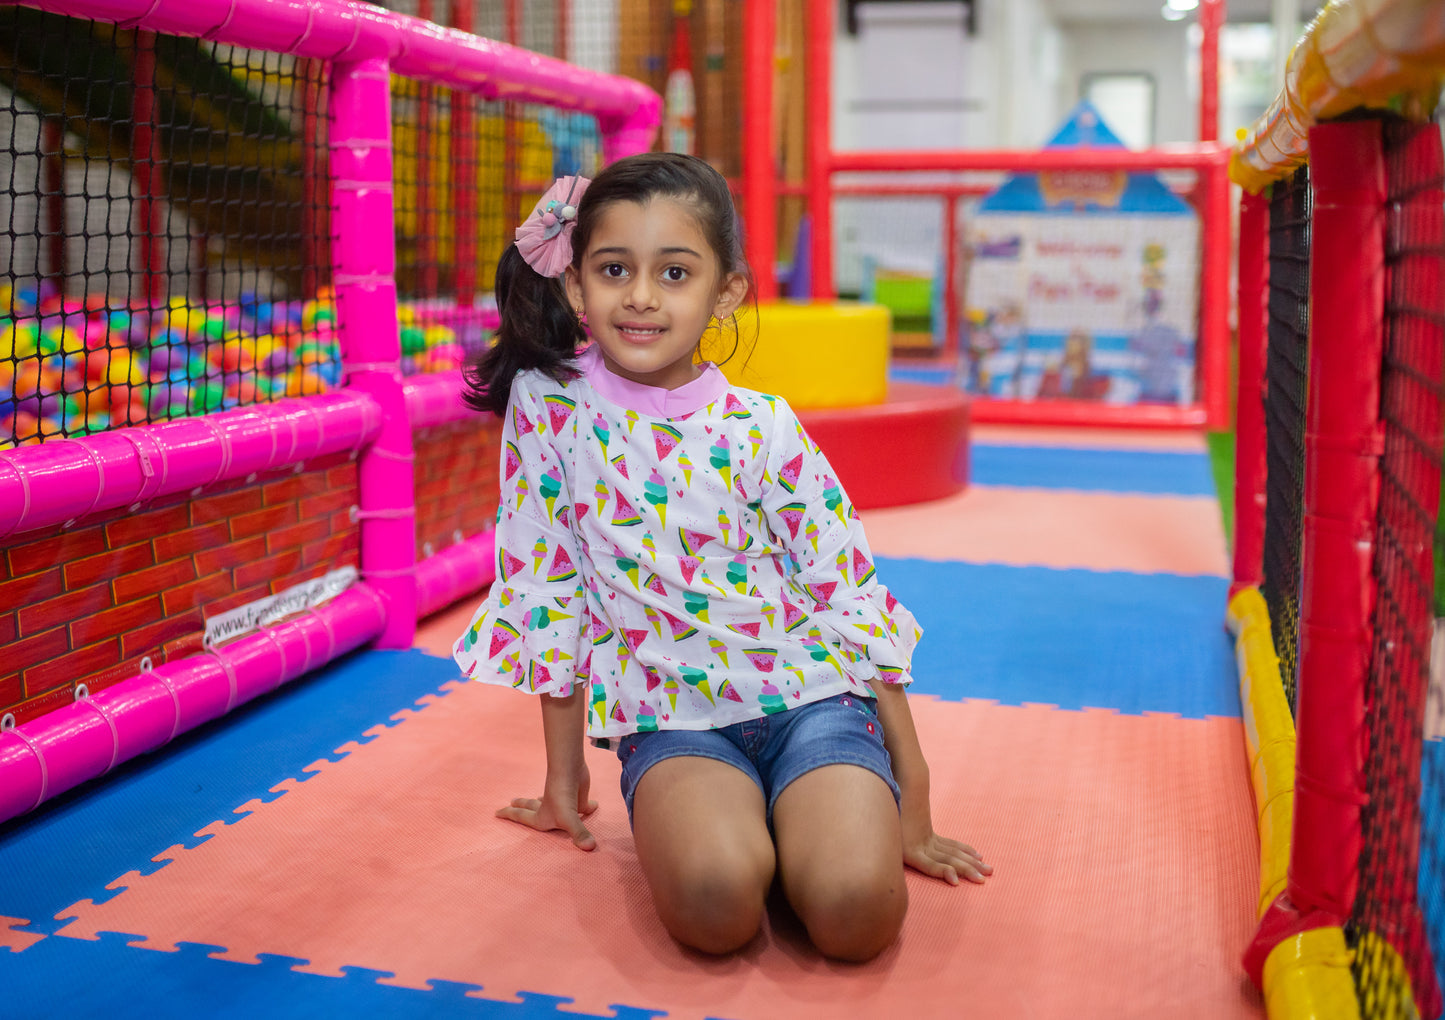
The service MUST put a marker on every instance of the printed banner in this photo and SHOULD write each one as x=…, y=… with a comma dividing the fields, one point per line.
x=236, y=623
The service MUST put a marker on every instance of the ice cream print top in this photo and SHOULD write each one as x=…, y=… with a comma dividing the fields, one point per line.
x=687, y=555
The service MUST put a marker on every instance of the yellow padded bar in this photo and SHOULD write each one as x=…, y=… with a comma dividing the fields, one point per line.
x=1377, y=54
x=1307, y=977
x=1269, y=736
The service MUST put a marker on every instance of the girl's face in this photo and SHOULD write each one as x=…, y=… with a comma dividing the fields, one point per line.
x=649, y=284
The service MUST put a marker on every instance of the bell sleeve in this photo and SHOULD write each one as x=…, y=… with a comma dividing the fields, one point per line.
x=812, y=517
x=528, y=633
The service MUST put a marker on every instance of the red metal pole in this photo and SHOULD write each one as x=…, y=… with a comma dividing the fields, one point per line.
x=820, y=143
x=313, y=188
x=1211, y=20
x=1167, y=157
x=950, y=276
x=564, y=32
x=1214, y=297
x=1249, y=447
x=760, y=199
x=54, y=148
x=463, y=183
x=145, y=167
x=1343, y=441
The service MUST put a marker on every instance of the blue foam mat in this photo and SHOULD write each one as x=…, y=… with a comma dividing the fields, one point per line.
x=1072, y=638
x=1149, y=472
x=62, y=977
x=69, y=849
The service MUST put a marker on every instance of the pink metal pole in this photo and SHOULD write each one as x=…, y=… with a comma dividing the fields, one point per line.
x=760, y=200
x=821, y=158
x=71, y=745
x=365, y=263
x=63, y=480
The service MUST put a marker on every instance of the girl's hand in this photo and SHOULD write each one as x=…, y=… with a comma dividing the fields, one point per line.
x=563, y=805
x=946, y=858
x=937, y=856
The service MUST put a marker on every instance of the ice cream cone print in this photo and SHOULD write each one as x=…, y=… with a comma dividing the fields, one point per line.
x=796, y=671
x=601, y=490
x=697, y=678
x=539, y=554
x=550, y=487
x=738, y=574
x=842, y=563
x=772, y=700
x=629, y=567
x=755, y=438
x=522, y=489
x=696, y=605
x=719, y=649
x=632, y=419
x=686, y=465
x=654, y=619
x=769, y=611
x=655, y=492
x=833, y=497
x=650, y=546
x=712, y=584
x=721, y=460
x=601, y=431
x=599, y=701
x=812, y=532
x=670, y=688
x=723, y=523
x=646, y=718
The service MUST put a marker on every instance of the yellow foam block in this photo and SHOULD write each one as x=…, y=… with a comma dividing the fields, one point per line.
x=812, y=354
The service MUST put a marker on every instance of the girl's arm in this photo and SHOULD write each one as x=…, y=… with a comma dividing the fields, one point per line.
x=564, y=801
x=923, y=848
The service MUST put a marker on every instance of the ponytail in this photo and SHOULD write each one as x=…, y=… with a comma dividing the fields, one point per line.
x=537, y=331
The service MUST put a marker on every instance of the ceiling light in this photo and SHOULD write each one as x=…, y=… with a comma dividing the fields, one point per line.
x=1170, y=14
x=1181, y=5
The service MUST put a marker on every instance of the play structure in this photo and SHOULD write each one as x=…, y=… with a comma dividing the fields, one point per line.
x=1342, y=248
x=254, y=249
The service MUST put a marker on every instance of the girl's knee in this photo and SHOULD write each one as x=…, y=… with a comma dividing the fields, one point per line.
x=857, y=917
x=716, y=910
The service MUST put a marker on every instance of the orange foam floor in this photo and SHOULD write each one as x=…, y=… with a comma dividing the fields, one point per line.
x=1124, y=849
x=1063, y=529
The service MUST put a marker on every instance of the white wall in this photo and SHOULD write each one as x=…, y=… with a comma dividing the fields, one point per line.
x=913, y=78
x=1158, y=49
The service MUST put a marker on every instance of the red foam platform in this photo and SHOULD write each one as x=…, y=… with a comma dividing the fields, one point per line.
x=910, y=449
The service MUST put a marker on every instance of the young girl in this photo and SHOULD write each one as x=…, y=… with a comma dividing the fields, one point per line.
x=680, y=573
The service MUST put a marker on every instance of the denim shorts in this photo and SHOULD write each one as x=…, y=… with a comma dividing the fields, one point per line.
x=772, y=750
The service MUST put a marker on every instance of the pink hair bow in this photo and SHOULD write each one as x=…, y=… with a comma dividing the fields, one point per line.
x=545, y=238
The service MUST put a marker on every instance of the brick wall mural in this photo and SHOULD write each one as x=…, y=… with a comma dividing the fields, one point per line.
x=85, y=605
x=456, y=482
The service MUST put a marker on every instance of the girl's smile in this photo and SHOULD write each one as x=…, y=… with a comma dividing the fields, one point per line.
x=649, y=285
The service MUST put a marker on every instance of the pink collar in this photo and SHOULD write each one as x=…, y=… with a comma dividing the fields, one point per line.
x=653, y=401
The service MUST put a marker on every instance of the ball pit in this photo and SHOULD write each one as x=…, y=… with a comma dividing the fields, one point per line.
x=71, y=366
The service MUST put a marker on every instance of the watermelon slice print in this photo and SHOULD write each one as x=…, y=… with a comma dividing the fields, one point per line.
x=666, y=439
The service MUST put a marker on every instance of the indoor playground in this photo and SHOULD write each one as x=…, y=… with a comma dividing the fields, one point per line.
x=1147, y=431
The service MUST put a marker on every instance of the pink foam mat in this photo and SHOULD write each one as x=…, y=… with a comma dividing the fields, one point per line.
x=1124, y=847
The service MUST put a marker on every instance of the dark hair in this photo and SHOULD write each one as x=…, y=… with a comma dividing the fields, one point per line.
x=538, y=328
